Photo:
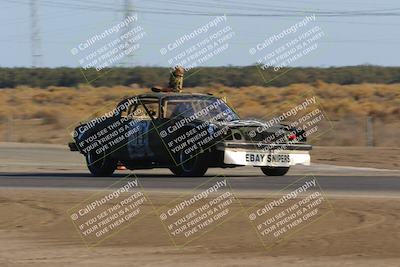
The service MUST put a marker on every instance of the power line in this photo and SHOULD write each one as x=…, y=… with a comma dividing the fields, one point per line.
x=172, y=11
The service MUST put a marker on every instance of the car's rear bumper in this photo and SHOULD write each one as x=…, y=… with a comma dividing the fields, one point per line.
x=274, y=155
x=73, y=147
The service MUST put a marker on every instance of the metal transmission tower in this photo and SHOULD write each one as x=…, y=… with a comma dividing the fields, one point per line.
x=36, y=49
x=128, y=12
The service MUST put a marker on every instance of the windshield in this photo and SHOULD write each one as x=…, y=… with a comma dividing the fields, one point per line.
x=202, y=108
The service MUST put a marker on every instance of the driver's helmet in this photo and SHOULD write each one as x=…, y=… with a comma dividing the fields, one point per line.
x=179, y=71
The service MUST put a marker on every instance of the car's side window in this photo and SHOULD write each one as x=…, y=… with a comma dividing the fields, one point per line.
x=125, y=112
x=152, y=107
x=137, y=110
x=130, y=110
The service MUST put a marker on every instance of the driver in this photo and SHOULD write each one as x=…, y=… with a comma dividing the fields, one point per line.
x=175, y=81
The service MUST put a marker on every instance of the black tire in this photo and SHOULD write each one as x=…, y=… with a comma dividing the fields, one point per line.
x=100, y=165
x=275, y=171
x=190, y=165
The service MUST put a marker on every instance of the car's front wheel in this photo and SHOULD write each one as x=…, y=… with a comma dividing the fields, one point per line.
x=275, y=171
x=100, y=165
x=190, y=165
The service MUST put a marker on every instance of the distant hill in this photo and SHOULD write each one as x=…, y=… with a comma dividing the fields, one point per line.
x=228, y=76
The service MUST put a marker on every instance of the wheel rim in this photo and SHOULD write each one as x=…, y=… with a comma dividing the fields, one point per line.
x=187, y=161
x=92, y=161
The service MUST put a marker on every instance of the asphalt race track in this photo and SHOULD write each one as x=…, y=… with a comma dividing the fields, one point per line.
x=53, y=166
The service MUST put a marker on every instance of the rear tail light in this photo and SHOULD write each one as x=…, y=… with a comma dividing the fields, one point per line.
x=121, y=166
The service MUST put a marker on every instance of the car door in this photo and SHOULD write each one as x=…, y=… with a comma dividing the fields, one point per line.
x=141, y=124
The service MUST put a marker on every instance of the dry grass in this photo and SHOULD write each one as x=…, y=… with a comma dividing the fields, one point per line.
x=46, y=115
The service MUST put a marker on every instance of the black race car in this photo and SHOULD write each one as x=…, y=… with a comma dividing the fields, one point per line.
x=187, y=133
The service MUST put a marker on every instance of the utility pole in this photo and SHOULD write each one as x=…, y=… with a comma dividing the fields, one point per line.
x=36, y=49
x=370, y=131
x=127, y=9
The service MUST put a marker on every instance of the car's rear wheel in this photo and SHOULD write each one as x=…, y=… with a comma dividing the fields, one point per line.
x=100, y=165
x=194, y=164
x=275, y=171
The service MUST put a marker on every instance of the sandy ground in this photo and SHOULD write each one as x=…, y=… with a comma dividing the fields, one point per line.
x=375, y=157
x=36, y=231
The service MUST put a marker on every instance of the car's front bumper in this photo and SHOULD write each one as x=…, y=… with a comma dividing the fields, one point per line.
x=274, y=155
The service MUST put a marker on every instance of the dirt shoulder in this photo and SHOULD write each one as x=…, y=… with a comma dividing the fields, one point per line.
x=373, y=157
x=36, y=231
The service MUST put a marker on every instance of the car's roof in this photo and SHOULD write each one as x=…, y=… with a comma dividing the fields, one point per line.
x=168, y=95
x=173, y=95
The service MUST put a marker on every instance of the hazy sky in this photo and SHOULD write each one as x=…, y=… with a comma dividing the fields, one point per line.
x=354, y=39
